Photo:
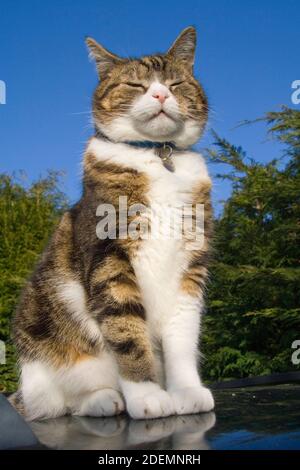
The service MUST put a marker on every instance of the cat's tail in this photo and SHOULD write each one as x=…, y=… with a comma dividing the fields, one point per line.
x=16, y=400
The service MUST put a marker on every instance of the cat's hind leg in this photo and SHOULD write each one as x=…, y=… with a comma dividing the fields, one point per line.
x=42, y=397
x=91, y=387
x=88, y=387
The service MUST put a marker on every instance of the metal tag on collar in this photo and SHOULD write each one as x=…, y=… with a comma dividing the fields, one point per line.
x=165, y=153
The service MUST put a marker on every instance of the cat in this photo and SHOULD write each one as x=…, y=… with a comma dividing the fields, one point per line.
x=112, y=324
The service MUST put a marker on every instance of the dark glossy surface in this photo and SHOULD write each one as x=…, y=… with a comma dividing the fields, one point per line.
x=13, y=430
x=252, y=418
x=257, y=418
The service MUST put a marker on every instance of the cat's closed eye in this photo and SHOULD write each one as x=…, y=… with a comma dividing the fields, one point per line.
x=177, y=83
x=136, y=85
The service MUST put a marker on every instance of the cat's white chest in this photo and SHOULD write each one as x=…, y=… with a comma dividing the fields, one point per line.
x=160, y=259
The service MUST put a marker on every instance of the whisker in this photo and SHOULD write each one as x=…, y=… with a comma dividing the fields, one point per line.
x=82, y=112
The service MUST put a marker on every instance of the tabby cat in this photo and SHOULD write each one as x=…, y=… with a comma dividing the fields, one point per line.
x=107, y=324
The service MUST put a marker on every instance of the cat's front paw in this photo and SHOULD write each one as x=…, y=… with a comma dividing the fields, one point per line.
x=153, y=405
x=192, y=400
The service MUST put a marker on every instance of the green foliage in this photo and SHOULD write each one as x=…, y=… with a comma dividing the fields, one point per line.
x=27, y=217
x=253, y=315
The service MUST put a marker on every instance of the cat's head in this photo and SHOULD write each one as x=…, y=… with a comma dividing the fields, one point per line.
x=154, y=98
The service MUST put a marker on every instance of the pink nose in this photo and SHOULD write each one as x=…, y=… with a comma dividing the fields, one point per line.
x=161, y=97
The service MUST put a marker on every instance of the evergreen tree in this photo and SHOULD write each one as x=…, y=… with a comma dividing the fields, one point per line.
x=253, y=315
x=28, y=215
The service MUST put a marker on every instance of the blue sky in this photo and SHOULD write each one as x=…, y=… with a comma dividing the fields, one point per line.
x=247, y=58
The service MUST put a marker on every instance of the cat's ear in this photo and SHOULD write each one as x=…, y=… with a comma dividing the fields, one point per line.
x=183, y=48
x=104, y=59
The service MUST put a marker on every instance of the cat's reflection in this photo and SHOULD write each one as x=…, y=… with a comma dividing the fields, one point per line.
x=175, y=432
